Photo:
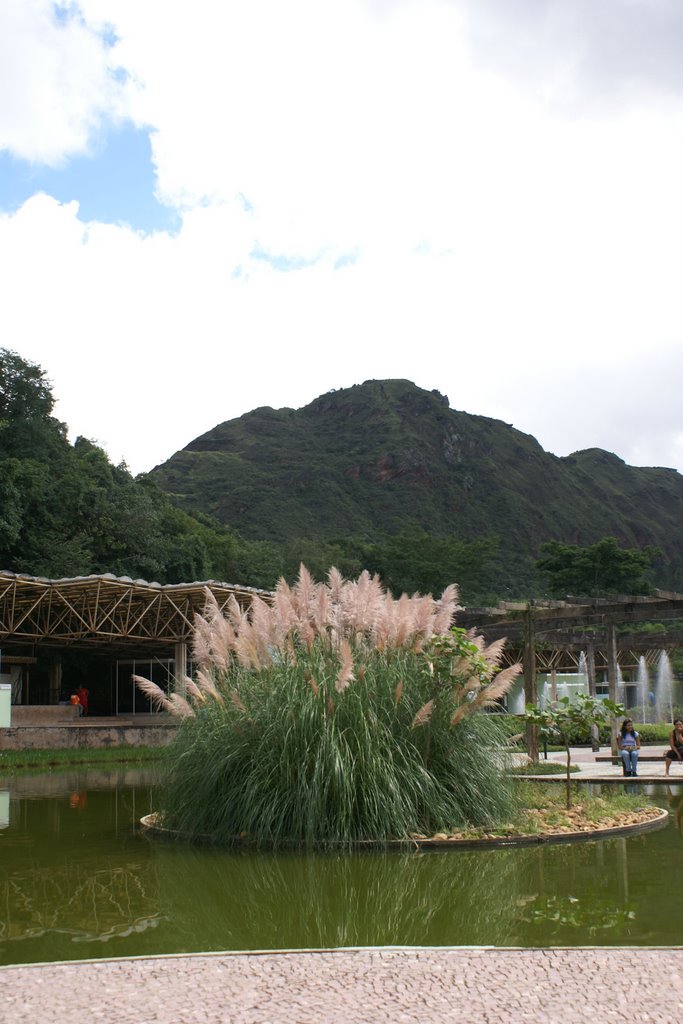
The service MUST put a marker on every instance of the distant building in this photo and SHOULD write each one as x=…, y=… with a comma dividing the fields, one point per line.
x=99, y=631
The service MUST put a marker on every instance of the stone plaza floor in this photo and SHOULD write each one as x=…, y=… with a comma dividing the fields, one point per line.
x=650, y=769
x=363, y=986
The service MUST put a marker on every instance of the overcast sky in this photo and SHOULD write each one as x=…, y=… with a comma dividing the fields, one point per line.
x=209, y=207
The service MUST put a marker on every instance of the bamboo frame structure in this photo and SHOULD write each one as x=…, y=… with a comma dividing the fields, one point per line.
x=106, y=611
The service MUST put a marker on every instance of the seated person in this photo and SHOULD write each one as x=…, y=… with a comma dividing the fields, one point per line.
x=676, y=743
x=628, y=742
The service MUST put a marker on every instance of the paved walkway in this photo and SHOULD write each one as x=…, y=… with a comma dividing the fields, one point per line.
x=601, y=771
x=410, y=986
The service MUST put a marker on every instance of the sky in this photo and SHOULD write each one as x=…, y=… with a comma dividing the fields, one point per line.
x=213, y=207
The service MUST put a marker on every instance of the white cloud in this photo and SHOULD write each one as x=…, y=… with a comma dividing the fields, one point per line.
x=57, y=82
x=525, y=263
x=594, y=53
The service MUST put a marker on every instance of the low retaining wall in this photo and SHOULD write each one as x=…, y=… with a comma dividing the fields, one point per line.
x=44, y=714
x=72, y=737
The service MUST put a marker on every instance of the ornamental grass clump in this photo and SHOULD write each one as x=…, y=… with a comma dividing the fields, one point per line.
x=336, y=715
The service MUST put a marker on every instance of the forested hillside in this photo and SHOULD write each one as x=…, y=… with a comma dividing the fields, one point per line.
x=381, y=476
x=65, y=510
x=389, y=473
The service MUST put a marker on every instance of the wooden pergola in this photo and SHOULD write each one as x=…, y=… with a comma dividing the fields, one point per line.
x=539, y=632
x=109, y=615
x=106, y=610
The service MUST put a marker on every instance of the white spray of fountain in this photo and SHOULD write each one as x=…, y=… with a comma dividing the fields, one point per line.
x=583, y=673
x=664, y=689
x=621, y=689
x=643, y=688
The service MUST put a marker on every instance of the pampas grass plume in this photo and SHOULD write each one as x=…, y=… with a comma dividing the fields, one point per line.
x=424, y=714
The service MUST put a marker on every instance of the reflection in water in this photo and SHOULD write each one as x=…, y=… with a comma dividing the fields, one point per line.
x=248, y=900
x=70, y=871
x=674, y=799
x=591, y=918
x=77, y=881
x=80, y=904
x=31, y=785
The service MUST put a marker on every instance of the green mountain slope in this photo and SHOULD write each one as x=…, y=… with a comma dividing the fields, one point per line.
x=376, y=458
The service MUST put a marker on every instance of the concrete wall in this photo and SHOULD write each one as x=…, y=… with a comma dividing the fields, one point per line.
x=58, y=737
x=43, y=714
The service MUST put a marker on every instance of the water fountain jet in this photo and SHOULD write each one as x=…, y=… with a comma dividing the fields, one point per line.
x=664, y=689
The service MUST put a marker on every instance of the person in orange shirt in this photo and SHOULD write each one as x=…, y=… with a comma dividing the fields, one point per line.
x=83, y=695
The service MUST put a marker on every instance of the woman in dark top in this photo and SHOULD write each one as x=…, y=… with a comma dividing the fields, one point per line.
x=676, y=741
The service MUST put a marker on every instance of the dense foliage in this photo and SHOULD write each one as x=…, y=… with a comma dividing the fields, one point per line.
x=596, y=570
x=65, y=510
x=338, y=715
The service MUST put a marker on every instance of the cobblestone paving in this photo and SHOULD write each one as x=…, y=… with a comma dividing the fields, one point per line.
x=355, y=987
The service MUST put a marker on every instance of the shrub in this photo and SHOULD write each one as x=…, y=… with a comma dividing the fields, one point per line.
x=658, y=732
x=563, y=717
x=337, y=715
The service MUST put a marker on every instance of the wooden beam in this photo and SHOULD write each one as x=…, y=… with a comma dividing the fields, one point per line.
x=530, y=695
x=612, y=678
x=592, y=691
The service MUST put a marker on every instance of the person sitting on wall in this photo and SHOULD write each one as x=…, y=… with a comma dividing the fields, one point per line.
x=73, y=699
x=676, y=742
x=628, y=741
x=83, y=695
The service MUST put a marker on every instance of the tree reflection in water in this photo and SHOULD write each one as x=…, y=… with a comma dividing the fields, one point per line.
x=591, y=916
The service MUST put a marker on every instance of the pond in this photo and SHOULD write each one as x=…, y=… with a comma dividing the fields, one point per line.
x=78, y=880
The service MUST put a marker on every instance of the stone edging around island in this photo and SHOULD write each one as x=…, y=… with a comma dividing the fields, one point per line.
x=150, y=826
x=585, y=779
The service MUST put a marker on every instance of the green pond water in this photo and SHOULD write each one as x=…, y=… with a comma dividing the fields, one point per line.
x=78, y=880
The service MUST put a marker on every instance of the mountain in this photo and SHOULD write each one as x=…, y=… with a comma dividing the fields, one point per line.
x=371, y=460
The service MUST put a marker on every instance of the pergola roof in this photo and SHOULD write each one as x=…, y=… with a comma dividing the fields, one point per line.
x=106, y=610
x=567, y=627
x=589, y=613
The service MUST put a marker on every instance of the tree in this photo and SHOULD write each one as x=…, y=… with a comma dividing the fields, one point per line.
x=416, y=561
x=602, y=568
x=24, y=391
x=27, y=428
x=564, y=718
x=65, y=510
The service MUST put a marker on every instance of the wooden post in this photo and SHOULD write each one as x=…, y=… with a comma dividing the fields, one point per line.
x=55, y=681
x=592, y=692
x=612, y=679
x=180, y=668
x=530, y=695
